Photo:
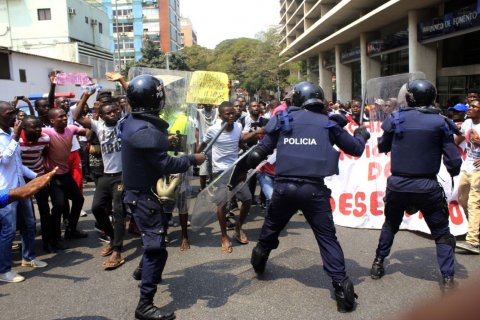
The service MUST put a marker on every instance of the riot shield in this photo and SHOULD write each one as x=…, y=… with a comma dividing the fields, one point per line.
x=180, y=117
x=217, y=194
x=382, y=95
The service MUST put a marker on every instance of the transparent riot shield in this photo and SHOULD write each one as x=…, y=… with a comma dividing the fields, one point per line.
x=181, y=119
x=217, y=194
x=382, y=95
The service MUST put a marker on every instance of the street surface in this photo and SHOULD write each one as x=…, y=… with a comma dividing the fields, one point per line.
x=204, y=283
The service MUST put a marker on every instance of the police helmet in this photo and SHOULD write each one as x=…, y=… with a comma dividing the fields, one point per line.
x=146, y=94
x=420, y=93
x=308, y=95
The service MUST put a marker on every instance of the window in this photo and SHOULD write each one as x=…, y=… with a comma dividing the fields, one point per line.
x=23, y=75
x=4, y=66
x=44, y=14
x=100, y=27
x=86, y=19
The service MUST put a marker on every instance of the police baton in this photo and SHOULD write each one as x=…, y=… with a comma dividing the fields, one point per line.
x=210, y=144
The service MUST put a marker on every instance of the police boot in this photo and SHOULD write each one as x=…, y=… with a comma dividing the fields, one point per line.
x=259, y=258
x=448, y=285
x=146, y=310
x=377, y=270
x=345, y=295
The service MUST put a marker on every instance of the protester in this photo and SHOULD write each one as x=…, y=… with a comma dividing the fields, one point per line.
x=12, y=174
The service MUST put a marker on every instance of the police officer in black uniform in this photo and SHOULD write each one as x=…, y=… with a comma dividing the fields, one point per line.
x=413, y=183
x=304, y=137
x=144, y=159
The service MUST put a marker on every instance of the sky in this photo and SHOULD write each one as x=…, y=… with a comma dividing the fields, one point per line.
x=218, y=20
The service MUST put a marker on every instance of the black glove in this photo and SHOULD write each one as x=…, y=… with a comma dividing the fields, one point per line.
x=363, y=131
x=339, y=118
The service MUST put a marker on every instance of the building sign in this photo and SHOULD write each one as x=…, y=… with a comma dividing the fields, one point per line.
x=393, y=41
x=468, y=17
x=350, y=55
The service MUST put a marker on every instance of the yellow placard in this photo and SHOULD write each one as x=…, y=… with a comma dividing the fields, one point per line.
x=208, y=87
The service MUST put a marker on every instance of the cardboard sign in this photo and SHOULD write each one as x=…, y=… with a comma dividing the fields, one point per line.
x=208, y=87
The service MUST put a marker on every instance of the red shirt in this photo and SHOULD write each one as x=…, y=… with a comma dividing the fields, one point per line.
x=32, y=152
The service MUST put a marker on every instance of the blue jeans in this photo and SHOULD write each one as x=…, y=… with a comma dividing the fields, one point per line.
x=8, y=227
x=266, y=183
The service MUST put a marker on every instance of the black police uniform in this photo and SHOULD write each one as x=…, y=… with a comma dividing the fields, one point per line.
x=145, y=160
x=305, y=155
x=417, y=138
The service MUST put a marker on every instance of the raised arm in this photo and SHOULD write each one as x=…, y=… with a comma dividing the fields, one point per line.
x=78, y=114
x=51, y=93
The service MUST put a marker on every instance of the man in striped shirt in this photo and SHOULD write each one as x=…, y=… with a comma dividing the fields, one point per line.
x=34, y=144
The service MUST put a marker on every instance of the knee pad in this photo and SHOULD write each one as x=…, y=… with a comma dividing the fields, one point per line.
x=259, y=258
x=446, y=239
x=345, y=295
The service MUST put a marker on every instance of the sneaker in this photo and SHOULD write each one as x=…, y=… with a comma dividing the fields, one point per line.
x=83, y=213
x=448, y=285
x=468, y=246
x=11, y=277
x=104, y=238
x=35, y=263
x=377, y=271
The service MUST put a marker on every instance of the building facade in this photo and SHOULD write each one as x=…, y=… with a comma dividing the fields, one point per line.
x=67, y=30
x=344, y=43
x=189, y=37
x=133, y=21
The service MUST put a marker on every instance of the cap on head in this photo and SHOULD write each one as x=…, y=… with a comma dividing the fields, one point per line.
x=308, y=95
x=146, y=94
x=420, y=93
x=460, y=107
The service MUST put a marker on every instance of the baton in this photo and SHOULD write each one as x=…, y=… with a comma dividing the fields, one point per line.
x=362, y=108
x=210, y=144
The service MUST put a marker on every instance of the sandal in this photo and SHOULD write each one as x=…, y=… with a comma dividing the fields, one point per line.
x=241, y=237
x=110, y=265
x=106, y=251
x=227, y=247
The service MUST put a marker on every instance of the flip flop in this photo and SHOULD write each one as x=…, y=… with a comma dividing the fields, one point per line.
x=241, y=238
x=106, y=251
x=110, y=265
x=227, y=249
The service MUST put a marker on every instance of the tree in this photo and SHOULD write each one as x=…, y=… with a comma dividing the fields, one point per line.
x=198, y=57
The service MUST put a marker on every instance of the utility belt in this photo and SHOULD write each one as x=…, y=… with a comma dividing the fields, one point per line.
x=416, y=176
x=300, y=180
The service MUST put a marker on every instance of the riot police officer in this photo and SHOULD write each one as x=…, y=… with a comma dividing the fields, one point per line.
x=413, y=183
x=145, y=160
x=304, y=137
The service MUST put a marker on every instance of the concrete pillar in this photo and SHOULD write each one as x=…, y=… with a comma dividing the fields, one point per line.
x=343, y=74
x=369, y=67
x=312, y=73
x=421, y=57
x=324, y=78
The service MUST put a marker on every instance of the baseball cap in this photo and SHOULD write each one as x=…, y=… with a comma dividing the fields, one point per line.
x=459, y=107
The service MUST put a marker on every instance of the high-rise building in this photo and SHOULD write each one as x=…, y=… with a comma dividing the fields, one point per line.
x=132, y=21
x=189, y=37
x=67, y=30
x=345, y=43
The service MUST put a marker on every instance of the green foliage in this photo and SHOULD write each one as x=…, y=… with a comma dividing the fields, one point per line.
x=255, y=63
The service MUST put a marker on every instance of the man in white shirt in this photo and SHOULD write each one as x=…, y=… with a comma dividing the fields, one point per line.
x=12, y=172
x=469, y=185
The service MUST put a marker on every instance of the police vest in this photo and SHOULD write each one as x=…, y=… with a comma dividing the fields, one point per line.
x=306, y=150
x=139, y=139
x=417, y=143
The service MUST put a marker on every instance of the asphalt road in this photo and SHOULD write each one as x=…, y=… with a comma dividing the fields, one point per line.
x=204, y=283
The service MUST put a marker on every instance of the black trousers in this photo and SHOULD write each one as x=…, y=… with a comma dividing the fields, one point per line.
x=63, y=187
x=109, y=188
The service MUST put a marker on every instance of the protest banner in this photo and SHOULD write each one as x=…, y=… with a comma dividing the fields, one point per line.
x=208, y=87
